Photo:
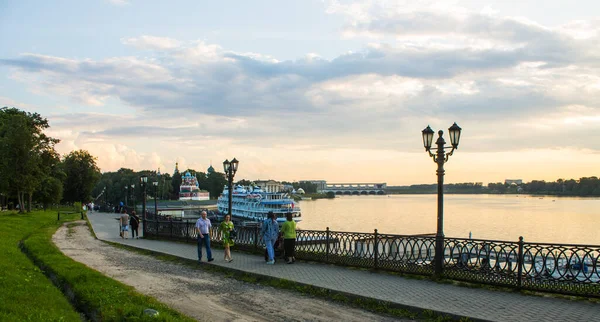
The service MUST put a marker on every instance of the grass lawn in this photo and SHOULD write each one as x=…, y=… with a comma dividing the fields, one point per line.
x=26, y=294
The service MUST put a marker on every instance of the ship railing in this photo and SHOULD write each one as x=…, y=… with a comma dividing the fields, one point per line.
x=559, y=268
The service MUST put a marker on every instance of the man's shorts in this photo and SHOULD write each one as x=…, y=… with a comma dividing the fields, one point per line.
x=125, y=228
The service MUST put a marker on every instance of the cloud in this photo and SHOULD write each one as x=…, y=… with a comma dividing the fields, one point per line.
x=9, y=102
x=119, y=2
x=434, y=26
x=151, y=42
x=491, y=74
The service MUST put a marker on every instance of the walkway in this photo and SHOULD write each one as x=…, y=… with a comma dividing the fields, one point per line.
x=480, y=304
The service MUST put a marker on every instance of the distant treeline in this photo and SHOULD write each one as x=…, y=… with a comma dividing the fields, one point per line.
x=586, y=186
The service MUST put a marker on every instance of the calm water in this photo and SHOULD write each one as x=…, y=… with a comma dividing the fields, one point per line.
x=500, y=217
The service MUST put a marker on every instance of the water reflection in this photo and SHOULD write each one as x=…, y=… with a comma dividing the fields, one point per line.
x=500, y=217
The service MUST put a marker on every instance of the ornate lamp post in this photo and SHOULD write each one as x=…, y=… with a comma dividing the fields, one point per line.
x=133, y=195
x=440, y=157
x=126, y=195
x=143, y=181
x=230, y=170
x=155, y=184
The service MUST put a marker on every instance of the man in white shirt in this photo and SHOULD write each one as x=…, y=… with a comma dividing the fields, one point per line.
x=203, y=230
x=124, y=221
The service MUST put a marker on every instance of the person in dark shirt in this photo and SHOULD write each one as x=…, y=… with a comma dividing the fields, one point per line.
x=134, y=222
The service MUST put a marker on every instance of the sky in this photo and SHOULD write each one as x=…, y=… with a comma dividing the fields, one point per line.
x=313, y=90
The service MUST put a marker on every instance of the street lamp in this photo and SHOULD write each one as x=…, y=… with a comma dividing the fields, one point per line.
x=440, y=157
x=143, y=181
x=126, y=195
x=133, y=195
x=155, y=184
x=230, y=170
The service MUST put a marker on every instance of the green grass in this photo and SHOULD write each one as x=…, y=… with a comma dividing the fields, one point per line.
x=94, y=293
x=25, y=292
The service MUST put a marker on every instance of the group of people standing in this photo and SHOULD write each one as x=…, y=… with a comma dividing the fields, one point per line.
x=269, y=231
x=271, y=235
x=128, y=222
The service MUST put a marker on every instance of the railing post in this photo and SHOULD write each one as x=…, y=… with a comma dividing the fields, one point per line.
x=375, y=251
x=187, y=229
x=171, y=228
x=58, y=216
x=327, y=245
x=255, y=238
x=520, y=263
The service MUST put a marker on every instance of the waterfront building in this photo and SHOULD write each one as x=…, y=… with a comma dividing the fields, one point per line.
x=321, y=184
x=189, y=189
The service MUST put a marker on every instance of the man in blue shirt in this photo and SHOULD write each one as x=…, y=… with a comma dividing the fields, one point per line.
x=203, y=230
x=270, y=232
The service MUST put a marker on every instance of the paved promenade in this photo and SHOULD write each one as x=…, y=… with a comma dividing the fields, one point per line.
x=478, y=304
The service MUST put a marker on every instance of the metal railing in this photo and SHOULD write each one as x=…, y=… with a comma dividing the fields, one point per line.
x=558, y=268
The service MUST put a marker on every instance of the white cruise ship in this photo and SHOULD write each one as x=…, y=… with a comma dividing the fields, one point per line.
x=253, y=204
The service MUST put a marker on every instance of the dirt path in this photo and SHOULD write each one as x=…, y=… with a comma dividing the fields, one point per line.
x=201, y=295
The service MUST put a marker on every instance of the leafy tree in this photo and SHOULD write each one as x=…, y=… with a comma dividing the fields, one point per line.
x=202, y=180
x=82, y=175
x=50, y=191
x=308, y=187
x=244, y=182
x=165, y=187
x=26, y=153
x=215, y=182
x=175, y=184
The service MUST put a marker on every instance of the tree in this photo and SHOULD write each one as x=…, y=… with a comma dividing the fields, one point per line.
x=50, y=191
x=244, y=182
x=215, y=182
x=82, y=175
x=308, y=187
x=175, y=184
x=27, y=154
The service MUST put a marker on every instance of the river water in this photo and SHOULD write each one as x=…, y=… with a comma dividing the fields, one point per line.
x=545, y=219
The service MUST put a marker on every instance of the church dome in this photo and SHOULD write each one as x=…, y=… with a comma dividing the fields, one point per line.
x=210, y=169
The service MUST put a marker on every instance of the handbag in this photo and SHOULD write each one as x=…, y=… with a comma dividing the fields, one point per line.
x=232, y=234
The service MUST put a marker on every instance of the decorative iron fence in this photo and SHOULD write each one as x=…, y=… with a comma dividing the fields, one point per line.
x=558, y=268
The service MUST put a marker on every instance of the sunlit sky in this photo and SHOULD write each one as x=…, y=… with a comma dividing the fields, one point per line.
x=299, y=90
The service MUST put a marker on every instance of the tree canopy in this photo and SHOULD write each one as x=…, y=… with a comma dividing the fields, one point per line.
x=82, y=176
x=27, y=154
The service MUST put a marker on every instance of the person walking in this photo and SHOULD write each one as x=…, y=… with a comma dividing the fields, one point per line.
x=203, y=230
x=288, y=229
x=270, y=231
x=134, y=222
x=124, y=221
x=226, y=228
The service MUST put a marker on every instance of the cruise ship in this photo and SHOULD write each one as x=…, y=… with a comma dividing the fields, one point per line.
x=254, y=204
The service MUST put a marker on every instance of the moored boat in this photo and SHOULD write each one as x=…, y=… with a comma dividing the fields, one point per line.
x=253, y=204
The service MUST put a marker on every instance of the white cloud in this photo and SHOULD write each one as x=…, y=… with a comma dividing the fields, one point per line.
x=119, y=2
x=9, y=102
x=511, y=83
x=152, y=42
